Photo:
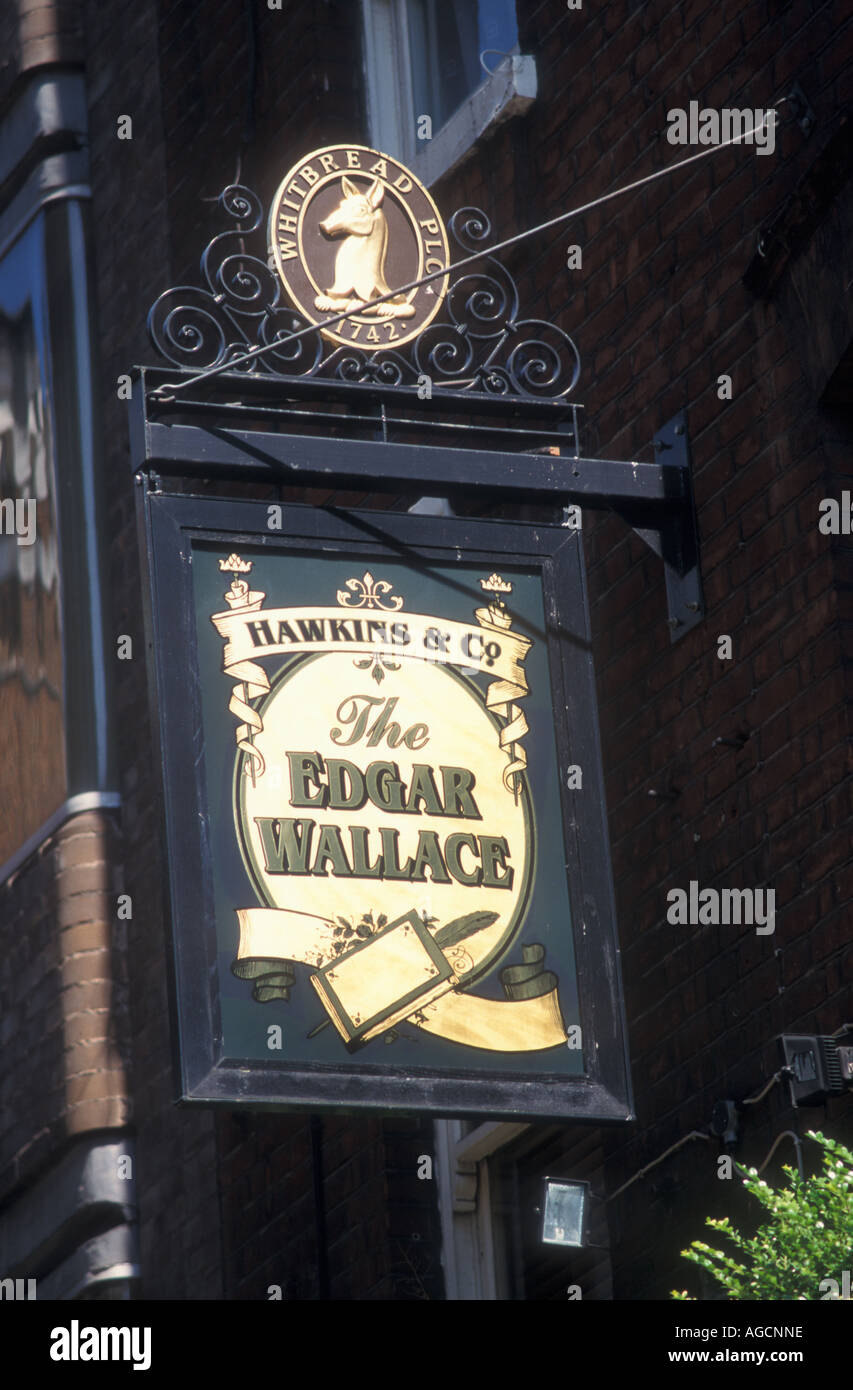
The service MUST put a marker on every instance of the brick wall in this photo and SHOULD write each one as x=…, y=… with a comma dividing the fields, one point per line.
x=659, y=310
x=246, y=98
x=226, y=1202
x=176, y=1150
x=36, y=34
x=63, y=1005
x=376, y=1236
x=62, y=1000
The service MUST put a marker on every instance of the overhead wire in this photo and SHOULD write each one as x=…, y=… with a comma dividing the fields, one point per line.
x=168, y=390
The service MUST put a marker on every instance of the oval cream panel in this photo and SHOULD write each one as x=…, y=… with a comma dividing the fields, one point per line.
x=385, y=797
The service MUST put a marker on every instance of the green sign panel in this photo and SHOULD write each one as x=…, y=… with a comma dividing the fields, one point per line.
x=388, y=814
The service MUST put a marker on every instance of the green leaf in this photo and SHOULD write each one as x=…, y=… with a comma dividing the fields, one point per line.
x=805, y=1238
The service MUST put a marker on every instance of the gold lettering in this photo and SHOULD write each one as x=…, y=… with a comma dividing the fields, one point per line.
x=392, y=332
x=286, y=223
x=309, y=174
x=429, y=857
x=423, y=789
x=294, y=188
x=353, y=159
x=380, y=168
x=430, y=225
x=330, y=847
x=372, y=335
x=328, y=162
x=383, y=726
x=404, y=183
x=356, y=329
x=494, y=852
x=452, y=853
x=433, y=264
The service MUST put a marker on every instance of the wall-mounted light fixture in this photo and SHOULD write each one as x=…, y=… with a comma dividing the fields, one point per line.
x=564, y=1212
x=816, y=1066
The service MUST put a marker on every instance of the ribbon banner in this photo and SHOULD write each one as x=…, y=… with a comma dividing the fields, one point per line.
x=491, y=647
x=528, y=1019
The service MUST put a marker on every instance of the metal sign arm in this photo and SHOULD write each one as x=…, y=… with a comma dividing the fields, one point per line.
x=655, y=499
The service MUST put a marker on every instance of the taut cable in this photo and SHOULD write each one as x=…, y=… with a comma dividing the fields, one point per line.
x=168, y=389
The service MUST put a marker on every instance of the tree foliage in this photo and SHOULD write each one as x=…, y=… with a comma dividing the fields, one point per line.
x=807, y=1238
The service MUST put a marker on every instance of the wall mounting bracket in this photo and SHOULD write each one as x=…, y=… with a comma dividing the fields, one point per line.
x=287, y=432
x=673, y=534
x=476, y=408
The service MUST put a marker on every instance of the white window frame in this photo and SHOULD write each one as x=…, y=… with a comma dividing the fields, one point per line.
x=392, y=120
x=465, y=1205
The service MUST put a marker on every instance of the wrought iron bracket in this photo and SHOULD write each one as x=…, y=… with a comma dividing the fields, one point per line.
x=673, y=535
x=476, y=407
x=260, y=437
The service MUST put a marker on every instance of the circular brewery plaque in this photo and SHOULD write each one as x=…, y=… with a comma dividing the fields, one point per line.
x=349, y=226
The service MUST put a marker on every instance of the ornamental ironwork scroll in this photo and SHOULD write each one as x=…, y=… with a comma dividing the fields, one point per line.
x=479, y=342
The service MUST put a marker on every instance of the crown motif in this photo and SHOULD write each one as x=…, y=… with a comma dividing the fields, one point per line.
x=238, y=595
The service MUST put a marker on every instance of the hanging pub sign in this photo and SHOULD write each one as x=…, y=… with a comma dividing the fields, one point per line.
x=388, y=865
x=388, y=869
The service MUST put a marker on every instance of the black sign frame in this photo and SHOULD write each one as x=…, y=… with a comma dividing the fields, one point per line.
x=169, y=524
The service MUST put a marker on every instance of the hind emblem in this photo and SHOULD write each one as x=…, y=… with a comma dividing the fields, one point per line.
x=360, y=260
x=372, y=222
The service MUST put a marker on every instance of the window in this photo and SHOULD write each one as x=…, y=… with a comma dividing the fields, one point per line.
x=31, y=660
x=445, y=43
x=429, y=95
x=56, y=662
